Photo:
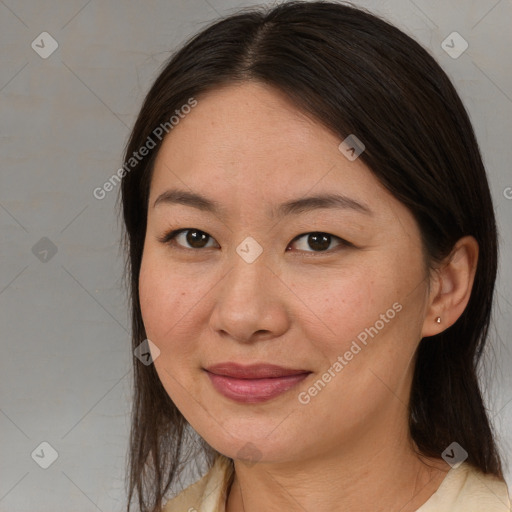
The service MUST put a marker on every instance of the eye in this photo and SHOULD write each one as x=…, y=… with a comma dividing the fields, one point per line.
x=319, y=241
x=196, y=238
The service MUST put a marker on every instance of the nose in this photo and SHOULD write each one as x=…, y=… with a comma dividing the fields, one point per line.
x=250, y=303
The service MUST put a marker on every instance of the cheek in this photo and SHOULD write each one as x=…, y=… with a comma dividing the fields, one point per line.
x=336, y=306
x=172, y=301
x=167, y=313
x=370, y=307
x=162, y=302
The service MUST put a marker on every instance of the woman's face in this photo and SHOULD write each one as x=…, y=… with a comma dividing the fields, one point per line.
x=335, y=290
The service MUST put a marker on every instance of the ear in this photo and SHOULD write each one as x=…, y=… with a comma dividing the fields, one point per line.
x=451, y=287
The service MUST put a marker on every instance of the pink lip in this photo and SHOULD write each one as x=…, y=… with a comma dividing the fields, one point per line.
x=253, y=383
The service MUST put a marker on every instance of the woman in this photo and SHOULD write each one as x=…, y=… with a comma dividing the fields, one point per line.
x=312, y=257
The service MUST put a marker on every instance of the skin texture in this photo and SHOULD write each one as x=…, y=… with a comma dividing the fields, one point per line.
x=248, y=148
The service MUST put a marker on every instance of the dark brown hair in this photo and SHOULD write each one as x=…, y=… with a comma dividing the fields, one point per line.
x=356, y=74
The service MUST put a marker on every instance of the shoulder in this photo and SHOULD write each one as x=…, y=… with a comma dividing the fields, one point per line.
x=466, y=489
x=207, y=494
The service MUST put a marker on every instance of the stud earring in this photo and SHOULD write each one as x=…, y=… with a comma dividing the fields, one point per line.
x=438, y=319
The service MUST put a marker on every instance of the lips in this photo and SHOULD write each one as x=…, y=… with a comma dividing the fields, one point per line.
x=253, y=383
x=253, y=371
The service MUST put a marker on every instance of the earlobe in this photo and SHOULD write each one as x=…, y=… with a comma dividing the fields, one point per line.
x=455, y=277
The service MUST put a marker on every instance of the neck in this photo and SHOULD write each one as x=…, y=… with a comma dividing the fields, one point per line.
x=372, y=475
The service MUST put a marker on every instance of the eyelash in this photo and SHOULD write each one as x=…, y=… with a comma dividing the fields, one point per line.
x=169, y=239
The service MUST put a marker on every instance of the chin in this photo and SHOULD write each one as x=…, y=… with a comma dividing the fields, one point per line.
x=249, y=448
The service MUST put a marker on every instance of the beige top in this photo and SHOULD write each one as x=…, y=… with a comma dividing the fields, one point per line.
x=463, y=489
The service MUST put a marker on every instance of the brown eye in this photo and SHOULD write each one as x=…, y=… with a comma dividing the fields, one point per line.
x=319, y=241
x=188, y=238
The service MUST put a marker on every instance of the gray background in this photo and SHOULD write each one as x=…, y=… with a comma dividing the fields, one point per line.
x=65, y=364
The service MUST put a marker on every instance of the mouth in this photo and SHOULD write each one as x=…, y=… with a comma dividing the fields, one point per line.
x=254, y=383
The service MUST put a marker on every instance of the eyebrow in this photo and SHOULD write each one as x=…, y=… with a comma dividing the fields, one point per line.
x=294, y=206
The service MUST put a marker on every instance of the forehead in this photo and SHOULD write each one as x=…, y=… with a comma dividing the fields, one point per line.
x=251, y=121
x=251, y=136
x=247, y=148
